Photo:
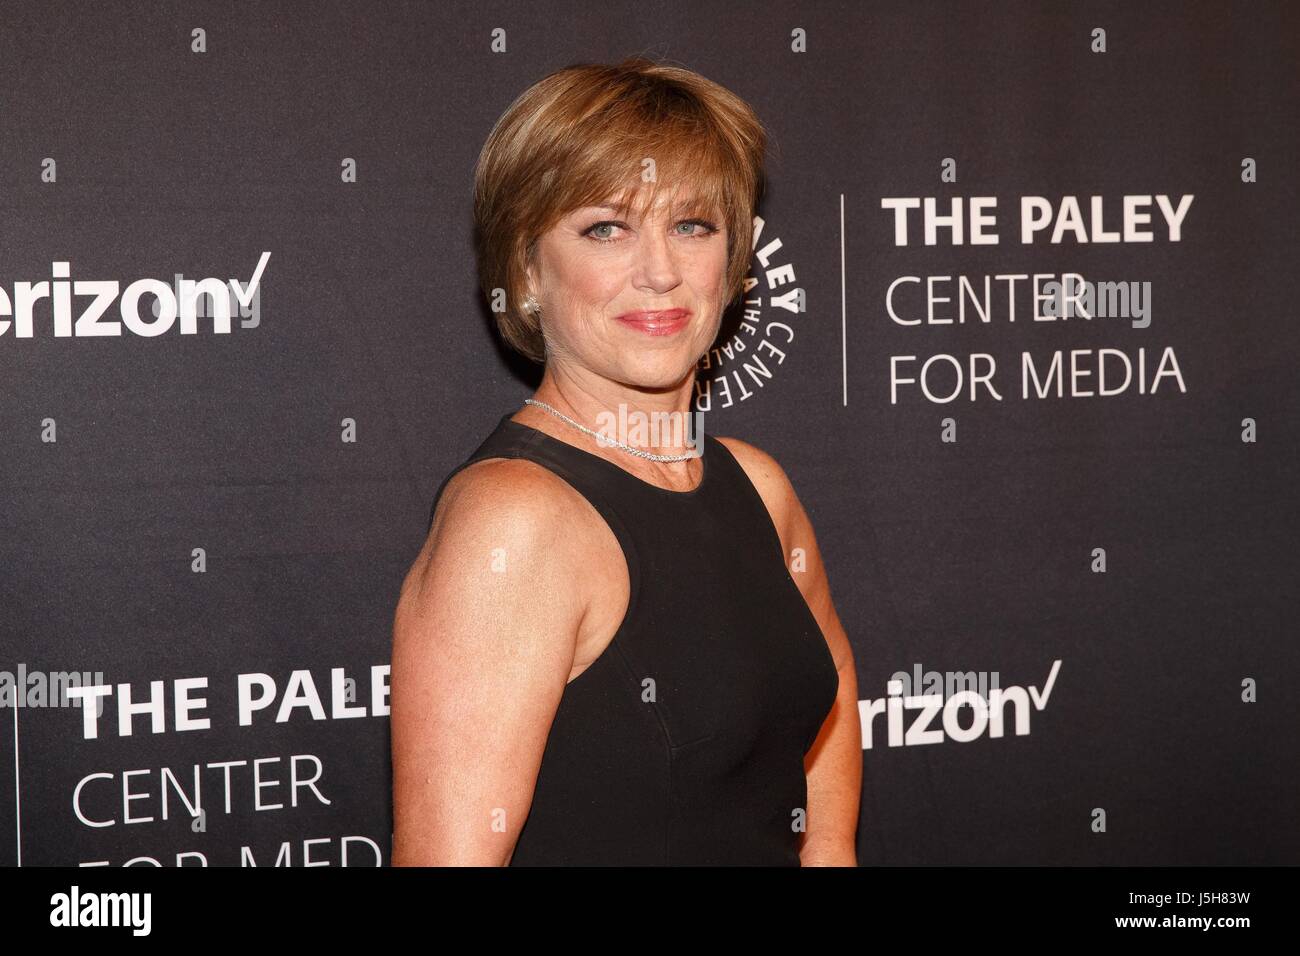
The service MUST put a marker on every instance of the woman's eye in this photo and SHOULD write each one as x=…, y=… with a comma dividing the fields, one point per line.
x=602, y=237
x=708, y=227
x=597, y=232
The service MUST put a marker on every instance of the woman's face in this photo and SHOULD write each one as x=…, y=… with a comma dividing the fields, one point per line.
x=596, y=275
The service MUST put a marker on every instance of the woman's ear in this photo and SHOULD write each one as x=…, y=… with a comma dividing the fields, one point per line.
x=530, y=280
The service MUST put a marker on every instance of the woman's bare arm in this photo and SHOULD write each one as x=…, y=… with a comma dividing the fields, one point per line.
x=834, y=764
x=483, y=644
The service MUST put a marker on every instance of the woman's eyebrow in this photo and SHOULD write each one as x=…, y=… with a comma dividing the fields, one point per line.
x=683, y=206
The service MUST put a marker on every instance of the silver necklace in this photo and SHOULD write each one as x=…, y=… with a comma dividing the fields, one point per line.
x=618, y=444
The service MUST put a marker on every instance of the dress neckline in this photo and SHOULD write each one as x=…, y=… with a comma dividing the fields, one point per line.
x=704, y=464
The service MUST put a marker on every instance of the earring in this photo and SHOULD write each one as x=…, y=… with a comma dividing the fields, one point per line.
x=531, y=304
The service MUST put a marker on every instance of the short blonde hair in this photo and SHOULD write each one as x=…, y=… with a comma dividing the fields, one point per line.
x=579, y=137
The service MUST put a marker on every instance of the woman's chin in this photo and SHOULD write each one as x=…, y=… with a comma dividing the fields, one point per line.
x=658, y=374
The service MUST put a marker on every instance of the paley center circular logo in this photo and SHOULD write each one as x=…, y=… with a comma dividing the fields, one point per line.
x=757, y=332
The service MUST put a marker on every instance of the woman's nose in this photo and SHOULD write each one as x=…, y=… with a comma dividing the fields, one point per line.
x=658, y=261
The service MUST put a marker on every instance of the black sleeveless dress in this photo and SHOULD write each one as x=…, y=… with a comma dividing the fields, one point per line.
x=683, y=743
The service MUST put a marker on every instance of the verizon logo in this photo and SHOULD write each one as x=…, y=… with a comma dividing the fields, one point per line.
x=172, y=305
x=964, y=716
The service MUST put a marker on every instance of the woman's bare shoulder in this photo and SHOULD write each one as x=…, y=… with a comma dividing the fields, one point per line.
x=511, y=504
x=509, y=489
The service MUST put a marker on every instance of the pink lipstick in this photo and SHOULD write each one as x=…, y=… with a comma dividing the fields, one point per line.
x=657, y=323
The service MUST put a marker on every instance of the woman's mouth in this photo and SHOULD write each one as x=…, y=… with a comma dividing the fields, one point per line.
x=656, y=323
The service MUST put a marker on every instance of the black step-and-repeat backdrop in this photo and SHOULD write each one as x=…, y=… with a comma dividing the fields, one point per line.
x=1022, y=329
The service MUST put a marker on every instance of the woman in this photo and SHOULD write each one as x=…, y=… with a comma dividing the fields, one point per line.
x=600, y=655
